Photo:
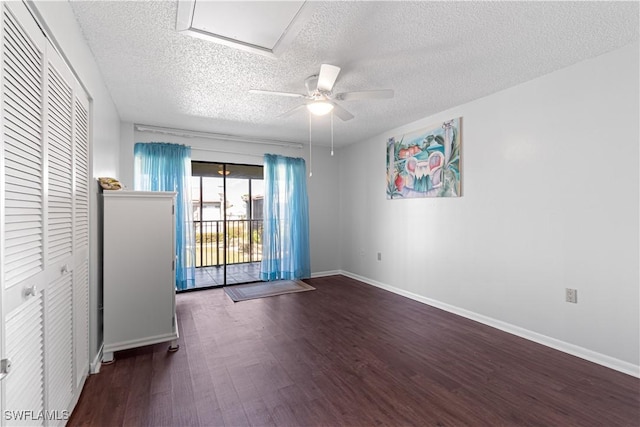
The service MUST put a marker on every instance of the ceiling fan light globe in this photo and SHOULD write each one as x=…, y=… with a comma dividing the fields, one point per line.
x=319, y=108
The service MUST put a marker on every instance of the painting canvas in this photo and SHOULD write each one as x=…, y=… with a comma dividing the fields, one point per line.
x=425, y=163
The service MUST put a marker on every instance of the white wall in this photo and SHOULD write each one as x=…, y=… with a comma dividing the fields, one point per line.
x=321, y=187
x=60, y=23
x=550, y=201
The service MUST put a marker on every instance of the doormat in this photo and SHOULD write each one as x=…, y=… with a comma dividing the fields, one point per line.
x=266, y=289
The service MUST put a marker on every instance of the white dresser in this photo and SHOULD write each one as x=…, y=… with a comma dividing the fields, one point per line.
x=138, y=270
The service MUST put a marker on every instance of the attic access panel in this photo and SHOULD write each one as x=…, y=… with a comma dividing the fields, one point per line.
x=264, y=27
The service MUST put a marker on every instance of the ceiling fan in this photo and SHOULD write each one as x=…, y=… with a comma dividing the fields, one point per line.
x=320, y=99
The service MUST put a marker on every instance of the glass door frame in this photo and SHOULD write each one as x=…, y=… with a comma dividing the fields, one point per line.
x=224, y=169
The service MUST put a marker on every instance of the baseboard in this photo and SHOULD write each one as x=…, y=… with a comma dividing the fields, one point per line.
x=325, y=273
x=97, y=361
x=574, y=350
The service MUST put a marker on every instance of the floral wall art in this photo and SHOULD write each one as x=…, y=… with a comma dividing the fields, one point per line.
x=425, y=163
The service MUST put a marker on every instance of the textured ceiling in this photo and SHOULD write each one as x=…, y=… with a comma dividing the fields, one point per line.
x=434, y=55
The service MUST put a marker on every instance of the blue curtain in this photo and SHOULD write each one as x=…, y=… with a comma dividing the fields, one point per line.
x=285, y=240
x=167, y=167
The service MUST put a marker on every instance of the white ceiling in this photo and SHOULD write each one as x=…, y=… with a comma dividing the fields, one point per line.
x=434, y=55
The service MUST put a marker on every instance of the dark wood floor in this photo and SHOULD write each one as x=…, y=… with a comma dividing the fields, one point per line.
x=349, y=354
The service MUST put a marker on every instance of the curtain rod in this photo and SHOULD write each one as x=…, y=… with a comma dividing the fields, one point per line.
x=213, y=150
x=216, y=136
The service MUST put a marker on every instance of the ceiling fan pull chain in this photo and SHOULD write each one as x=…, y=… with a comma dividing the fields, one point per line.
x=332, y=133
x=310, y=171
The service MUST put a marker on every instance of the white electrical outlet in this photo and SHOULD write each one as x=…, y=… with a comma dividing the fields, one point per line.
x=572, y=295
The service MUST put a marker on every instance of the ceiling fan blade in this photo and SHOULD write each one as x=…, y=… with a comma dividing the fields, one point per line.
x=292, y=111
x=327, y=77
x=365, y=94
x=271, y=92
x=341, y=113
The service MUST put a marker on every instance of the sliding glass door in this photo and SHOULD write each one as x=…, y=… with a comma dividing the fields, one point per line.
x=227, y=208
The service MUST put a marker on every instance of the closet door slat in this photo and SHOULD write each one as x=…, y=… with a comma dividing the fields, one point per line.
x=25, y=344
x=23, y=150
x=59, y=332
x=59, y=149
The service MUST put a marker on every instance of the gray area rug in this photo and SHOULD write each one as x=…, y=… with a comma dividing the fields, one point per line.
x=266, y=289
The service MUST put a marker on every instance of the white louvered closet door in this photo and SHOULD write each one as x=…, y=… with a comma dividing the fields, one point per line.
x=23, y=215
x=59, y=236
x=81, y=236
x=44, y=227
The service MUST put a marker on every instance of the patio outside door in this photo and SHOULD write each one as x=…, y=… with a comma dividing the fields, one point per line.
x=227, y=212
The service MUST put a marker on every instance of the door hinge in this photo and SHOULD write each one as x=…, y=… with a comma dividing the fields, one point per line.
x=5, y=367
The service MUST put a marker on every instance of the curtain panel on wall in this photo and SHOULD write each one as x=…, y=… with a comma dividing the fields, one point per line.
x=285, y=241
x=167, y=167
